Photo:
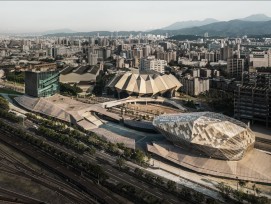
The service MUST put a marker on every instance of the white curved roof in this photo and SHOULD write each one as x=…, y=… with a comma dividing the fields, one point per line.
x=215, y=134
x=147, y=83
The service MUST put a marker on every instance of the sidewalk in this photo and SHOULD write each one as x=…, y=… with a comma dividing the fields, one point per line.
x=201, y=183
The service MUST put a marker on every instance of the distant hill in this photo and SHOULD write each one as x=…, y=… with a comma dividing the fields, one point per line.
x=256, y=17
x=232, y=28
x=189, y=24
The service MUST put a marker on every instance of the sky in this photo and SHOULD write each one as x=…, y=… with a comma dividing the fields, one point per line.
x=39, y=16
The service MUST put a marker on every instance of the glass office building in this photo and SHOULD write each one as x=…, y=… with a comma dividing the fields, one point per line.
x=41, y=84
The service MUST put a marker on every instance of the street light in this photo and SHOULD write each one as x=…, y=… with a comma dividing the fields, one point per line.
x=237, y=182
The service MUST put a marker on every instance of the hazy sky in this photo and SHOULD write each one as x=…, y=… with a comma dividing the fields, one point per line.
x=30, y=16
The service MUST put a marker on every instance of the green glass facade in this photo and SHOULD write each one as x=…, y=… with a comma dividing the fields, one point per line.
x=41, y=84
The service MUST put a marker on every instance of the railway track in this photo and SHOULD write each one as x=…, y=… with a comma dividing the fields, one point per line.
x=19, y=198
x=97, y=195
x=15, y=167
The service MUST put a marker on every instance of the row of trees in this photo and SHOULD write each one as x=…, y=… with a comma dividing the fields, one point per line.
x=17, y=77
x=171, y=186
x=90, y=139
x=64, y=139
x=4, y=104
x=228, y=192
x=4, y=112
x=136, y=195
x=95, y=171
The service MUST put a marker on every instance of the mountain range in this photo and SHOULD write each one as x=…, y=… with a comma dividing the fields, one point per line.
x=190, y=24
x=258, y=24
x=233, y=28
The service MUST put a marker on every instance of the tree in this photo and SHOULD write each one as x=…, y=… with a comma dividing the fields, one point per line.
x=127, y=152
x=138, y=156
x=224, y=190
x=227, y=191
x=199, y=197
x=185, y=192
x=139, y=172
x=258, y=191
x=210, y=201
x=238, y=195
x=70, y=90
x=254, y=187
x=120, y=162
x=171, y=185
x=4, y=104
x=263, y=200
x=148, y=156
x=159, y=180
x=242, y=183
x=149, y=177
x=120, y=145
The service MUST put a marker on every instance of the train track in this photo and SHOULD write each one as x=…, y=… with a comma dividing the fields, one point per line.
x=13, y=166
x=17, y=198
x=97, y=195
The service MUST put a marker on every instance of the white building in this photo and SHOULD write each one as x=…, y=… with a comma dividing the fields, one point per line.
x=92, y=58
x=153, y=64
x=260, y=59
x=194, y=85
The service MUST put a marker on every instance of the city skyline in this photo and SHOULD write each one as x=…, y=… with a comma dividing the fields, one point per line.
x=27, y=16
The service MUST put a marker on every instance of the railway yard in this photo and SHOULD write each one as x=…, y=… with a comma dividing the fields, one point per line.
x=70, y=184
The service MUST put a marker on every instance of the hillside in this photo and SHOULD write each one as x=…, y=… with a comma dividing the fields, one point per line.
x=189, y=24
x=232, y=28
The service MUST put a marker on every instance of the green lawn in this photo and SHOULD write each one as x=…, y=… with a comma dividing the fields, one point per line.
x=9, y=91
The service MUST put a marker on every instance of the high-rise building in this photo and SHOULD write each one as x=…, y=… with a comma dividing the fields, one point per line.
x=91, y=41
x=93, y=55
x=194, y=85
x=41, y=84
x=153, y=64
x=252, y=98
x=165, y=45
x=260, y=59
x=92, y=59
x=146, y=51
x=235, y=67
x=120, y=62
x=226, y=53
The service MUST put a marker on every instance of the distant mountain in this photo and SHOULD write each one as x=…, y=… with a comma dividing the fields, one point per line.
x=256, y=17
x=189, y=24
x=233, y=28
x=63, y=30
